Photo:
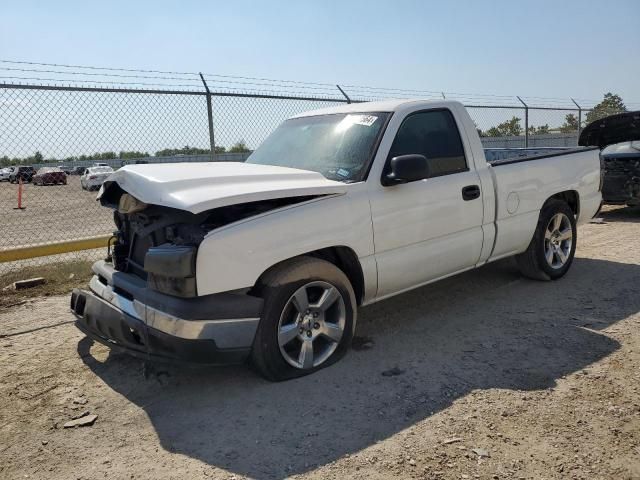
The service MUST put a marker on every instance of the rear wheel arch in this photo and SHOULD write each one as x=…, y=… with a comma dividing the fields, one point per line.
x=570, y=197
x=538, y=260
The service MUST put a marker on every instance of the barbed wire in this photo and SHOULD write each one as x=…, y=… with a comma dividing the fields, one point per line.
x=239, y=83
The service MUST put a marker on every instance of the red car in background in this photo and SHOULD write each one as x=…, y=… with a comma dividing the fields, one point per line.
x=49, y=175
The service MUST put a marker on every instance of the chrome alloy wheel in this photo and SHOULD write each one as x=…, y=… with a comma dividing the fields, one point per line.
x=311, y=325
x=558, y=239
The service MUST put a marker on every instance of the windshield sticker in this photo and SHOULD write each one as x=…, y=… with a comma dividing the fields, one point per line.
x=342, y=172
x=350, y=120
x=366, y=120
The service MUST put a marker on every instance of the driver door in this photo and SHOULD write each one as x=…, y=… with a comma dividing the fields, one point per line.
x=429, y=228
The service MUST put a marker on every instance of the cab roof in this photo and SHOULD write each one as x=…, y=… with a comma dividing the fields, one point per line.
x=379, y=106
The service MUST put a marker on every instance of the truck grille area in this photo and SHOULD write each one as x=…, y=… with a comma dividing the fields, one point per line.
x=138, y=232
x=621, y=180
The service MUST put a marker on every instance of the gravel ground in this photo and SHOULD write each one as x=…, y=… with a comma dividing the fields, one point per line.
x=484, y=375
x=52, y=213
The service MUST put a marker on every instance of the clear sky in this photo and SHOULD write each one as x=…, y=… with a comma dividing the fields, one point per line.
x=559, y=48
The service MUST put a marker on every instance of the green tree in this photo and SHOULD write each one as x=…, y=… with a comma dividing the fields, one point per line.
x=37, y=157
x=186, y=150
x=132, y=154
x=541, y=130
x=239, y=147
x=509, y=128
x=570, y=124
x=105, y=156
x=611, y=104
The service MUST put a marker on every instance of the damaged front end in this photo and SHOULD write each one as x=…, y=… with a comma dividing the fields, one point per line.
x=621, y=179
x=159, y=244
x=144, y=297
x=620, y=158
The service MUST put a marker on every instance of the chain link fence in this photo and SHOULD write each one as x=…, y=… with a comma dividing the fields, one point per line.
x=75, y=128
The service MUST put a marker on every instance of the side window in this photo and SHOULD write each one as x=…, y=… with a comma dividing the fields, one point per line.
x=435, y=135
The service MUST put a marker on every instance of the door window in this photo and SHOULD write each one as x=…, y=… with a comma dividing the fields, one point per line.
x=435, y=135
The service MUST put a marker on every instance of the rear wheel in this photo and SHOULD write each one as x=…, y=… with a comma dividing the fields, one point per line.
x=307, y=321
x=552, y=248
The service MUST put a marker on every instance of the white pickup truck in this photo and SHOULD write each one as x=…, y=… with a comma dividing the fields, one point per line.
x=269, y=259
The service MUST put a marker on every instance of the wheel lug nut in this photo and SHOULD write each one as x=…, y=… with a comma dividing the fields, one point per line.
x=301, y=330
x=316, y=325
x=315, y=315
x=309, y=333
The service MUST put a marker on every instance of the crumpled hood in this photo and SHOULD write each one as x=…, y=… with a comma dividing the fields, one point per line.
x=197, y=187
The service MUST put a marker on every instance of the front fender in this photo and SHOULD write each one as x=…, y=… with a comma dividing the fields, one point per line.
x=233, y=257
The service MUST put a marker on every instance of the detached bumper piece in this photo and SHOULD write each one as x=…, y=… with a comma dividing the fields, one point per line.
x=105, y=323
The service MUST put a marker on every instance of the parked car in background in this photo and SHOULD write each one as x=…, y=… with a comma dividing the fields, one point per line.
x=5, y=173
x=100, y=164
x=50, y=176
x=24, y=173
x=270, y=259
x=94, y=177
x=66, y=169
x=78, y=170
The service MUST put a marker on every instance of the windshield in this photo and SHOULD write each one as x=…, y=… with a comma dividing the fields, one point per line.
x=338, y=146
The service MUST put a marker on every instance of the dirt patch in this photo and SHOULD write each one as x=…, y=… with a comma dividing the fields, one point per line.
x=502, y=377
x=60, y=278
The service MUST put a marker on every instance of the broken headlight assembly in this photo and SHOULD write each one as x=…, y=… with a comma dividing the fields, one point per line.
x=129, y=204
x=171, y=269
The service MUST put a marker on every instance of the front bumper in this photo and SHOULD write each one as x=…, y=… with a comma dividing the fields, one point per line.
x=120, y=312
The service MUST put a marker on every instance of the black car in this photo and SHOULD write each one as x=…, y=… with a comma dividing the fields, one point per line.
x=24, y=173
x=77, y=171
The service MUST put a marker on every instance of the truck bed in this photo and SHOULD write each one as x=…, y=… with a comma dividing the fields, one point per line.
x=505, y=156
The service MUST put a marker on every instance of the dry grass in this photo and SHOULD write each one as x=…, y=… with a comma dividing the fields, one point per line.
x=60, y=278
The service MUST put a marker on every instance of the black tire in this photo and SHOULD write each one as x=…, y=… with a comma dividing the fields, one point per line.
x=277, y=288
x=532, y=262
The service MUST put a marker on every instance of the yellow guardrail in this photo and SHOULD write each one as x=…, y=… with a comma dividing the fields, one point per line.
x=32, y=251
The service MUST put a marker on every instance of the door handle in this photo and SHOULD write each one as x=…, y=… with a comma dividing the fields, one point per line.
x=470, y=192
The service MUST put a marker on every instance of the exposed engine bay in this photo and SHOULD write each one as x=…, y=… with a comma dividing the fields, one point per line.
x=621, y=180
x=141, y=226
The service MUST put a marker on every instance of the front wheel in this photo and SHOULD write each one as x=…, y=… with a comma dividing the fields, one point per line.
x=551, y=251
x=308, y=319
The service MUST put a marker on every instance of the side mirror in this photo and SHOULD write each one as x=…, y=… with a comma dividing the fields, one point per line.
x=405, y=169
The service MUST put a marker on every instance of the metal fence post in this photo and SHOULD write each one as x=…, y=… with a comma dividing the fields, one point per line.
x=579, y=117
x=212, y=143
x=526, y=123
x=345, y=95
